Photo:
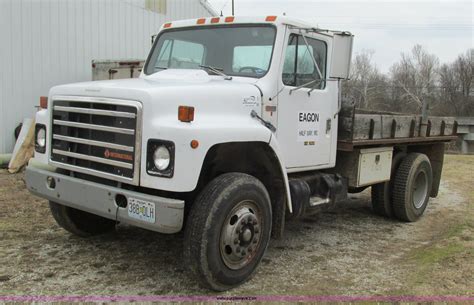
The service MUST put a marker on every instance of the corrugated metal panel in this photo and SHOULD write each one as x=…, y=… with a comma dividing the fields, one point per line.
x=51, y=42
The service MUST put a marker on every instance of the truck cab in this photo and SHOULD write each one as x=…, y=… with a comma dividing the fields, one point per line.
x=231, y=128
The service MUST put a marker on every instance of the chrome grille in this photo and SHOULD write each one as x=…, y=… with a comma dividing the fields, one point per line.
x=96, y=136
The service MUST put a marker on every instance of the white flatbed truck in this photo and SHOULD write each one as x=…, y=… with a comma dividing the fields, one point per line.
x=234, y=125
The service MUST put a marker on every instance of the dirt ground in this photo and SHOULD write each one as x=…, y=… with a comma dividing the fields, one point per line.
x=347, y=252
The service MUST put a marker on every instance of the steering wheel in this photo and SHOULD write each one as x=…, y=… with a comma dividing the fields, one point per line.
x=254, y=69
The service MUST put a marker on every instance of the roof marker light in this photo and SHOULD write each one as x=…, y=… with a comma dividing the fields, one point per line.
x=215, y=20
x=201, y=21
x=271, y=18
x=167, y=25
x=229, y=19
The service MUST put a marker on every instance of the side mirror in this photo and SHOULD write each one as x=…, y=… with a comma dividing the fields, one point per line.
x=341, y=55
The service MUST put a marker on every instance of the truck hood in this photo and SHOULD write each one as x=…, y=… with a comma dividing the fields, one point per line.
x=161, y=93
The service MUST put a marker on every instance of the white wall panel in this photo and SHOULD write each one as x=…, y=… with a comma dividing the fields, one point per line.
x=44, y=43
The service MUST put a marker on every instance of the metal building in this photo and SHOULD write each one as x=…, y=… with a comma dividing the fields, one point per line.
x=44, y=43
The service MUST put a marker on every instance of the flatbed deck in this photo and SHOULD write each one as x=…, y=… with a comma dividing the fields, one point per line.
x=366, y=128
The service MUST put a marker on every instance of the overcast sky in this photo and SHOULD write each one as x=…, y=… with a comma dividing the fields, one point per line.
x=443, y=27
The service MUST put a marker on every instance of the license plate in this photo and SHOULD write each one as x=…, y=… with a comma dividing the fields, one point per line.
x=141, y=210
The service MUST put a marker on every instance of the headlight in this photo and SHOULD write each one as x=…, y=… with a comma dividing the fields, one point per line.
x=162, y=158
x=40, y=138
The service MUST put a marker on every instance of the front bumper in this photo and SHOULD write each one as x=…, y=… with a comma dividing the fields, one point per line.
x=99, y=199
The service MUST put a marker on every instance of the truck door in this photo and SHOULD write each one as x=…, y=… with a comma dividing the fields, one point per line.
x=307, y=102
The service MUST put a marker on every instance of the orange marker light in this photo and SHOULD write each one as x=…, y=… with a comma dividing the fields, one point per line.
x=44, y=102
x=186, y=114
x=229, y=19
x=194, y=144
x=201, y=21
x=167, y=25
x=271, y=18
x=215, y=20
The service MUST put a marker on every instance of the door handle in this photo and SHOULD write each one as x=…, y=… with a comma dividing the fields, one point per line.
x=328, y=125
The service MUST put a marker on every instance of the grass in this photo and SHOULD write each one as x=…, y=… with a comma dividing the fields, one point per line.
x=436, y=254
x=453, y=240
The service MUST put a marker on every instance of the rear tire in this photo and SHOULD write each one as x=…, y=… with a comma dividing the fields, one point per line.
x=78, y=222
x=412, y=187
x=228, y=230
x=382, y=192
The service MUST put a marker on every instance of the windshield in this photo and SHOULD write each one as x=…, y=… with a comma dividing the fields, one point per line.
x=237, y=50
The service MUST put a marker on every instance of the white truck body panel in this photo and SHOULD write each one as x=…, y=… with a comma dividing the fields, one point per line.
x=160, y=101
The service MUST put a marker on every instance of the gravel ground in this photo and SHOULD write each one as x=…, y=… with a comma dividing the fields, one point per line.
x=346, y=252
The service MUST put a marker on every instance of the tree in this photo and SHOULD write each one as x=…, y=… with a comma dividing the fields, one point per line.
x=464, y=68
x=416, y=80
x=364, y=84
x=416, y=75
x=455, y=81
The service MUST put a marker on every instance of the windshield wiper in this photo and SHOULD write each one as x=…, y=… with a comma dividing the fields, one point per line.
x=217, y=71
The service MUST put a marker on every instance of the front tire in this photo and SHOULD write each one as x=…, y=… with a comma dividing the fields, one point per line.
x=78, y=222
x=228, y=230
x=412, y=187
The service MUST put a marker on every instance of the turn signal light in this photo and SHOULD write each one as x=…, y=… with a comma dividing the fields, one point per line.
x=44, y=102
x=167, y=25
x=229, y=19
x=271, y=18
x=201, y=21
x=194, y=144
x=186, y=114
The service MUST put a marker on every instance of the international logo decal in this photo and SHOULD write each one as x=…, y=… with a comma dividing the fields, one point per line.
x=110, y=154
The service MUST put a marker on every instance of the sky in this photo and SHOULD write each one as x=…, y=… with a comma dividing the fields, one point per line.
x=388, y=28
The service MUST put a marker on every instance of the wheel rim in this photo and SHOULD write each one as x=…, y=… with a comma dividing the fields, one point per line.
x=241, y=235
x=420, y=189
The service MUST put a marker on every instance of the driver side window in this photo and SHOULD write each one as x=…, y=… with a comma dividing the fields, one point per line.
x=299, y=68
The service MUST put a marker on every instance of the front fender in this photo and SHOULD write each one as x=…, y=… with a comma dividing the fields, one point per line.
x=209, y=130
